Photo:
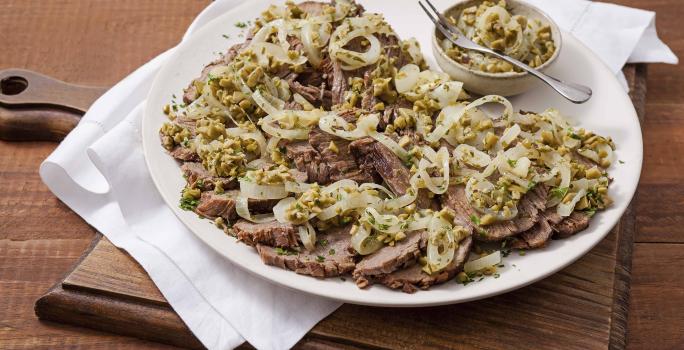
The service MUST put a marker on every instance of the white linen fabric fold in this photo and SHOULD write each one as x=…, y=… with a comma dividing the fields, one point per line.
x=99, y=172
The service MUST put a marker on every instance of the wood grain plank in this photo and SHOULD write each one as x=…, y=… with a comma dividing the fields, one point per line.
x=121, y=277
x=88, y=42
x=575, y=306
x=656, y=320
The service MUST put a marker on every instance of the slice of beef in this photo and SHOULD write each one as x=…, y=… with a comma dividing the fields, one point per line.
x=317, y=96
x=185, y=154
x=413, y=277
x=540, y=233
x=213, y=205
x=372, y=154
x=576, y=222
x=340, y=164
x=311, y=76
x=536, y=237
x=334, y=259
x=369, y=99
x=194, y=171
x=187, y=123
x=190, y=93
x=337, y=80
x=389, y=259
x=312, y=8
x=322, y=164
x=273, y=233
x=528, y=213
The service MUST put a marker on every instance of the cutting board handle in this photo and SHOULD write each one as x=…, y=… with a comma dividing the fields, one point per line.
x=35, y=107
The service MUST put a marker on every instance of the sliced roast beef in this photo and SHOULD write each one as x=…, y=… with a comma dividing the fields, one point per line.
x=213, y=205
x=328, y=260
x=528, y=213
x=540, y=233
x=337, y=80
x=325, y=164
x=272, y=233
x=576, y=222
x=390, y=258
x=312, y=8
x=536, y=237
x=372, y=154
x=185, y=154
x=316, y=95
x=413, y=277
x=194, y=172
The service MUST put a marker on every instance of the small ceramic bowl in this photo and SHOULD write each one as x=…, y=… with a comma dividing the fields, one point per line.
x=485, y=83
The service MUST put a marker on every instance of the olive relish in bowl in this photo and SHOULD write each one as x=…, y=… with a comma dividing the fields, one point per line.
x=492, y=24
x=326, y=143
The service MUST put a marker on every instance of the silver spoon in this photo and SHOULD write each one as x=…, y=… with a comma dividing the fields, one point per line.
x=575, y=93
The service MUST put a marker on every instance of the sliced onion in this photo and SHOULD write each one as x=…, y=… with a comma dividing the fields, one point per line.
x=386, y=223
x=389, y=143
x=587, y=153
x=508, y=136
x=471, y=156
x=522, y=167
x=304, y=102
x=565, y=209
x=253, y=190
x=242, y=209
x=483, y=262
x=451, y=116
x=406, y=78
x=413, y=49
x=297, y=187
x=307, y=235
x=447, y=93
x=446, y=241
x=281, y=207
x=336, y=125
x=276, y=131
x=263, y=50
x=363, y=242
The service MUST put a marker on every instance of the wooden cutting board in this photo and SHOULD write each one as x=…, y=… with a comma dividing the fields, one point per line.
x=582, y=307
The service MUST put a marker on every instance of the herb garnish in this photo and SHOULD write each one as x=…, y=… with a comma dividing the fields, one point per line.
x=188, y=203
x=559, y=192
x=281, y=251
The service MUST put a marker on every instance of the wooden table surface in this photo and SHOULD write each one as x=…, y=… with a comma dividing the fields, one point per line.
x=100, y=42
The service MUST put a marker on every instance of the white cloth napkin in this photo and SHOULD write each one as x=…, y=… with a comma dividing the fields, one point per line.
x=100, y=173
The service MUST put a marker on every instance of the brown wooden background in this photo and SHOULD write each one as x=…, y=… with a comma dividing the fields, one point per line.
x=99, y=42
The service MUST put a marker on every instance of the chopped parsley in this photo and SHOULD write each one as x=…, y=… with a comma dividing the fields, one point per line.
x=331, y=252
x=188, y=204
x=226, y=36
x=559, y=192
x=475, y=219
x=323, y=242
x=590, y=212
x=522, y=252
x=281, y=251
x=512, y=162
x=213, y=78
x=320, y=258
x=621, y=161
x=241, y=24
